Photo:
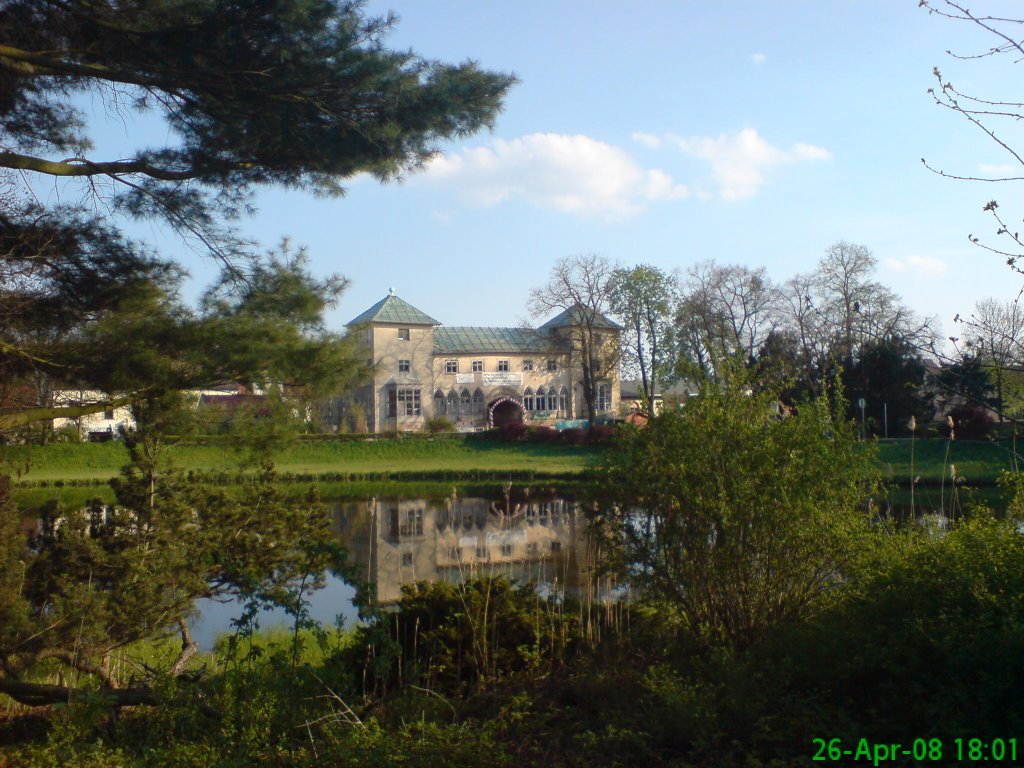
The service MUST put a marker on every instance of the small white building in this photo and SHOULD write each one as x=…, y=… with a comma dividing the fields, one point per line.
x=106, y=424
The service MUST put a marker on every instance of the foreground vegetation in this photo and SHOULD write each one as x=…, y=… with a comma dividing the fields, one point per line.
x=772, y=616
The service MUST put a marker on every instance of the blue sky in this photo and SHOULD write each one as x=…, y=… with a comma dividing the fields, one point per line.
x=669, y=133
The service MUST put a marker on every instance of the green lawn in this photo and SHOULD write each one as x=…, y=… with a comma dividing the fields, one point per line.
x=86, y=461
x=977, y=461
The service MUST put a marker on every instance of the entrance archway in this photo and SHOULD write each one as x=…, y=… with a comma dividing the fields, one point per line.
x=504, y=410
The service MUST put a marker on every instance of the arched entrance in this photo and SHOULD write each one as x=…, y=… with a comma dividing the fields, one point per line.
x=504, y=410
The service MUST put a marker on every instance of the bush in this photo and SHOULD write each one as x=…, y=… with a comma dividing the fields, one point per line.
x=446, y=636
x=438, y=425
x=970, y=422
x=736, y=518
x=514, y=432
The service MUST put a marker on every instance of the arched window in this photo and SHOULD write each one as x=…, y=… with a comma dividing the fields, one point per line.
x=453, y=403
x=466, y=401
x=563, y=400
x=478, y=401
x=552, y=400
x=540, y=399
x=438, y=403
x=528, y=399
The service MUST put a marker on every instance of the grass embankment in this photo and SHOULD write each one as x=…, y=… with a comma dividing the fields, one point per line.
x=978, y=462
x=380, y=459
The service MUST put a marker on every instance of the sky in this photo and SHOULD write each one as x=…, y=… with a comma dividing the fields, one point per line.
x=671, y=132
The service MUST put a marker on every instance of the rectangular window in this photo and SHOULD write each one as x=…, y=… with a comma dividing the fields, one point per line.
x=108, y=414
x=455, y=553
x=531, y=549
x=411, y=523
x=403, y=334
x=478, y=366
x=552, y=365
x=556, y=546
x=604, y=397
x=404, y=366
x=527, y=365
x=481, y=553
x=407, y=558
x=407, y=401
x=451, y=366
x=503, y=365
x=506, y=550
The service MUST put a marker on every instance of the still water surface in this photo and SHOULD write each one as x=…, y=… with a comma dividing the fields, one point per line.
x=540, y=538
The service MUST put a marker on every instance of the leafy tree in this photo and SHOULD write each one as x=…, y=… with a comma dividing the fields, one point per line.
x=300, y=93
x=642, y=298
x=778, y=367
x=580, y=289
x=734, y=516
x=964, y=382
x=111, y=322
x=93, y=582
x=890, y=376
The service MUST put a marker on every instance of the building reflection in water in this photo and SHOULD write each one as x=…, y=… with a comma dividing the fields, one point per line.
x=540, y=540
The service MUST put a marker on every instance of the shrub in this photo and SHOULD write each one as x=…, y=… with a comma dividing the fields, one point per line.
x=970, y=422
x=573, y=436
x=514, y=432
x=736, y=518
x=438, y=425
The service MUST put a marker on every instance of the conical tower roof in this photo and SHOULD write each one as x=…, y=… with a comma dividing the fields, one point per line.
x=392, y=309
x=575, y=315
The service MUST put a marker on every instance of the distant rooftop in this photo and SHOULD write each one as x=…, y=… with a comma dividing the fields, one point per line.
x=392, y=309
x=455, y=340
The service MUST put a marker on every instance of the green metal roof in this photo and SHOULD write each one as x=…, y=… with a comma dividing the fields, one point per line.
x=392, y=309
x=455, y=340
x=573, y=315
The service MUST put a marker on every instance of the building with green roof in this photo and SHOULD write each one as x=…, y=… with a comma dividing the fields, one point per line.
x=475, y=377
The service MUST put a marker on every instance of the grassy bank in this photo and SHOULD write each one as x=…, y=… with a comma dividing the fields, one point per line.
x=101, y=461
x=978, y=461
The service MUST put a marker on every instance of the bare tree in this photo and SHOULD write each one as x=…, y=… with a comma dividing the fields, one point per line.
x=724, y=312
x=994, y=333
x=989, y=114
x=839, y=309
x=579, y=289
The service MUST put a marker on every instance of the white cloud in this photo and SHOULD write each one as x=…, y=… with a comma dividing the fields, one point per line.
x=573, y=174
x=927, y=266
x=758, y=58
x=739, y=160
x=992, y=169
x=649, y=140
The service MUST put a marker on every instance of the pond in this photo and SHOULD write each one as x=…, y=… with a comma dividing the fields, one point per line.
x=528, y=537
